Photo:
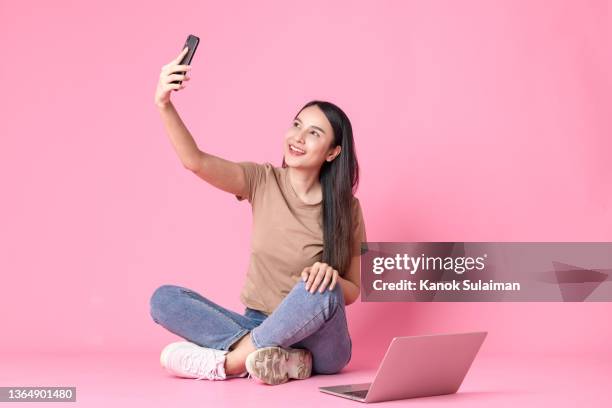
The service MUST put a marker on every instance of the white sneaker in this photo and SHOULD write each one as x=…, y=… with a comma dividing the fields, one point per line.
x=188, y=360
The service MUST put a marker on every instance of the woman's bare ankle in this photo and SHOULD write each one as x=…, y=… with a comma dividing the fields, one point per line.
x=234, y=365
x=236, y=358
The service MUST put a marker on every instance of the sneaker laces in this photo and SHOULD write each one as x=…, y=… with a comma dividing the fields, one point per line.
x=205, y=363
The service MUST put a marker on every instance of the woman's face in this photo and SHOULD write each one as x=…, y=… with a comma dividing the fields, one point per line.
x=312, y=134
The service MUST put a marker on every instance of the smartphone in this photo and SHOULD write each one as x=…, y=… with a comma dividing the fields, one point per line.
x=191, y=43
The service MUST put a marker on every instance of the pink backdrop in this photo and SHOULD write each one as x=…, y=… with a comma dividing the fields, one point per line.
x=473, y=120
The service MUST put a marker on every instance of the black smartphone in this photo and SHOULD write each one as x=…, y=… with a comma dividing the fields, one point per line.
x=192, y=44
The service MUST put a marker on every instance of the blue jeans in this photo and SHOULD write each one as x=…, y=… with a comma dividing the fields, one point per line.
x=316, y=322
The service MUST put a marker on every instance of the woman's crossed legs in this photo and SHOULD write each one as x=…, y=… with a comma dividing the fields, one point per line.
x=312, y=321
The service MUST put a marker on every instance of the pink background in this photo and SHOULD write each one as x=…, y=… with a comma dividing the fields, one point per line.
x=473, y=120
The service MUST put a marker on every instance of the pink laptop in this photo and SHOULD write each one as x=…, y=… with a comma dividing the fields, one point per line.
x=417, y=366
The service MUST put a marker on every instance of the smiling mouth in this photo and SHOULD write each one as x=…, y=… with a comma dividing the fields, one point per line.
x=295, y=151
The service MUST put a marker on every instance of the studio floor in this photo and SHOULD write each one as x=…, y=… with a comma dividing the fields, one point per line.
x=131, y=379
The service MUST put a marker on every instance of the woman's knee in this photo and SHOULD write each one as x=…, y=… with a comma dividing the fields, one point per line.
x=160, y=299
x=334, y=295
x=328, y=300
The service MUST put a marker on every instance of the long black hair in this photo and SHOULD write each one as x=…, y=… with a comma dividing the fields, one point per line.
x=339, y=180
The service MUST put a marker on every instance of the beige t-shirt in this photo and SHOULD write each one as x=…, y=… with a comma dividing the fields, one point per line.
x=287, y=235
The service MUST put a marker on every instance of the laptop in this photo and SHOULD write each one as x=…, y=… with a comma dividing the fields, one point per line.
x=417, y=366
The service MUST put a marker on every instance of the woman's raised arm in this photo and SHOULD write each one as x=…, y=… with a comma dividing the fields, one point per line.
x=218, y=172
x=223, y=174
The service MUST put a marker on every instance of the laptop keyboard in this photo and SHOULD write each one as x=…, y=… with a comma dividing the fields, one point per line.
x=358, y=394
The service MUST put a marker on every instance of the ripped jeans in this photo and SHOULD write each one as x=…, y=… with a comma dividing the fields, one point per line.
x=316, y=322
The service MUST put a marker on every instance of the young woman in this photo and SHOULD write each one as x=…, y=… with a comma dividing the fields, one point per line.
x=304, y=266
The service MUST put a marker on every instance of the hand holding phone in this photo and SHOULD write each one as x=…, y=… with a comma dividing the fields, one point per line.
x=175, y=68
x=192, y=44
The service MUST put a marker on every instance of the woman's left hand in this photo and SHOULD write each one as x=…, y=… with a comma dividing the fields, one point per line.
x=319, y=275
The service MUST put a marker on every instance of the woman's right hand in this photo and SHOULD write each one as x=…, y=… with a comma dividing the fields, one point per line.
x=167, y=75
